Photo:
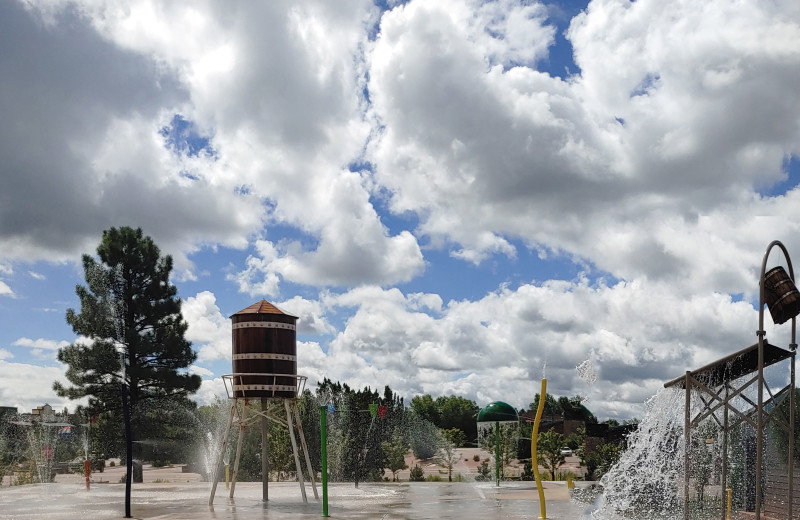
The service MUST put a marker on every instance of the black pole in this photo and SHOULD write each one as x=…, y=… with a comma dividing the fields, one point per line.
x=126, y=413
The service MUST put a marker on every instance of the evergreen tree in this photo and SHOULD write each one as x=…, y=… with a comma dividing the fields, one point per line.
x=130, y=313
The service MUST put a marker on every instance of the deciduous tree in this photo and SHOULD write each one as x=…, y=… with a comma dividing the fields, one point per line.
x=548, y=451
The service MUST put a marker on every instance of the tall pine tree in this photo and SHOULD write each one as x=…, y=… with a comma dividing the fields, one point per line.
x=129, y=311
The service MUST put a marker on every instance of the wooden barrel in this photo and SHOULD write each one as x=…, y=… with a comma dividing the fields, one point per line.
x=781, y=295
x=264, y=342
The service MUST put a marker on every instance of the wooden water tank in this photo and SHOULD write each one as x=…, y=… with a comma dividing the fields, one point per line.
x=264, y=342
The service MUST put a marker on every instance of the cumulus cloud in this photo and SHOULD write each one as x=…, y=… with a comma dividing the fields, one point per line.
x=645, y=151
x=339, y=147
x=635, y=335
x=41, y=348
x=200, y=371
x=207, y=328
x=211, y=390
x=26, y=386
x=311, y=315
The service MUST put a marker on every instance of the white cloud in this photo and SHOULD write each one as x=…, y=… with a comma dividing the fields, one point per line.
x=646, y=164
x=211, y=390
x=37, y=276
x=41, y=343
x=636, y=335
x=200, y=371
x=292, y=146
x=634, y=182
x=5, y=290
x=208, y=328
x=5, y=354
x=311, y=315
x=41, y=348
x=27, y=386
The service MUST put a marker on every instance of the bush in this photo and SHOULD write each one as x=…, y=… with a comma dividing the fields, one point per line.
x=433, y=478
x=527, y=472
x=484, y=473
x=417, y=474
x=111, y=464
x=22, y=477
x=476, y=458
x=564, y=476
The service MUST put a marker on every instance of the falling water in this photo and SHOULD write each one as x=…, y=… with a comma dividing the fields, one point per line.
x=586, y=371
x=645, y=482
x=544, y=367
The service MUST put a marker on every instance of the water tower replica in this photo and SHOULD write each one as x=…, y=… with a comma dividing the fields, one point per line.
x=263, y=386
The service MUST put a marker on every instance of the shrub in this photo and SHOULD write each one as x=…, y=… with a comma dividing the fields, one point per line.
x=568, y=474
x=22, y=477
x=111, y=464
x=97, y=465
x=417, y=474
x=433, y=478
x=484, y=473
x=476, y=458
x=527, y=472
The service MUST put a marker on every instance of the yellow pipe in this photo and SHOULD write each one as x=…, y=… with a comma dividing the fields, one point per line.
x=730, y=504
x=534, y=458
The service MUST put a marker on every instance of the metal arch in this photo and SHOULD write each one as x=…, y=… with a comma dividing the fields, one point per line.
x=761, y=333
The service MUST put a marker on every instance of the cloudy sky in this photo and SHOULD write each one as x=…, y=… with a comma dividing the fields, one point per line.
x=454, y=196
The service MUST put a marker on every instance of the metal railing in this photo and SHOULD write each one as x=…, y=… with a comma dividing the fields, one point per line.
x=268, y=385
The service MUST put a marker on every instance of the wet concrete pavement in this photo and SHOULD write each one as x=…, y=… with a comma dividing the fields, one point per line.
x=385, y=501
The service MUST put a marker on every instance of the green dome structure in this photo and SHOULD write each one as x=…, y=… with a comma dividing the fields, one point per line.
x=498, y=411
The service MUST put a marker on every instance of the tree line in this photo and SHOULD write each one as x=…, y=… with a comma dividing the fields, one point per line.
x=132, y=363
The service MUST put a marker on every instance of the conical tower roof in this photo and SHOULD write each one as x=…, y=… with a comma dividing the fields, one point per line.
x=263, y=307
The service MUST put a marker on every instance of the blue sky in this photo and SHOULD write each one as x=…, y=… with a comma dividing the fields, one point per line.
x=450, y=195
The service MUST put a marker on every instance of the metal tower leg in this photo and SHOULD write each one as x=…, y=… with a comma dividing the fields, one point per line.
x=303, y=444
x=242, y=426
x=294, y=450
x=222, y=453
x=264, y=451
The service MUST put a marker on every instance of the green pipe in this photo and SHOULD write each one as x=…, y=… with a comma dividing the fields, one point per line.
x=534, y=457
x=323, y=428
x=497, y=451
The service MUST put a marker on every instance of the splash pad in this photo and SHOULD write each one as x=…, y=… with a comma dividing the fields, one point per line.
x=174, y=500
